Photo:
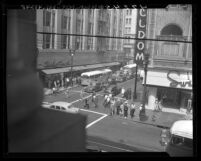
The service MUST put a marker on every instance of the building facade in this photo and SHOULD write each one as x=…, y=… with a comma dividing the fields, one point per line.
x=58, y=52
x=100, y=22
x=169, y=76
x=130, y=17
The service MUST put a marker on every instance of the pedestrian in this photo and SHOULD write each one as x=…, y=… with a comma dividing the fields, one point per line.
x=122, y=92
x=112, y=107
x=108, y=102
x=105, y=100
x=67, y=82
x=140, y=112
x=132, y=110
x=156, y=105
x=82, y=94
x=86, y=104
x=66, y=92
x=121, y=112
x=117, y=105
x=126, y=109
x=96, y=101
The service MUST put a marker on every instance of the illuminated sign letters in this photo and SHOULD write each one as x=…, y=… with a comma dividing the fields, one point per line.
x=175, y=82
x=141, y=33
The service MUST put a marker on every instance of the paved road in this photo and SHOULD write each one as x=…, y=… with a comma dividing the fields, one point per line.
x=113, y=134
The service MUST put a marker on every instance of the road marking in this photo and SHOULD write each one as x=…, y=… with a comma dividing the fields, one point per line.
x=109, y=146
x=93, y=112
x=96, y=121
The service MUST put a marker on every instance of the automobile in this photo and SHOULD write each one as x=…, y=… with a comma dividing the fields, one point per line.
x=91, y=89
x=61, y=106
x=46, y=104
x=93, y=148
x=47, y=91
x=115, y=90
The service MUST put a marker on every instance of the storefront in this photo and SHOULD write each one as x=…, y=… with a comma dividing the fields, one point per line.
x=172, y=88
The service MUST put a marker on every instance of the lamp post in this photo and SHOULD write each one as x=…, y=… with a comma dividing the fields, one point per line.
x=72, y=54
x=143, y=111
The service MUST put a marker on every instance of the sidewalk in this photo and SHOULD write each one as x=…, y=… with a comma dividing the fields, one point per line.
x=162, y=119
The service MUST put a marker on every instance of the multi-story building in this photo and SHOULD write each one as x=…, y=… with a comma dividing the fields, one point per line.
x=99, y=22
x=169, y=76
x=130, y=18
x=54, y=49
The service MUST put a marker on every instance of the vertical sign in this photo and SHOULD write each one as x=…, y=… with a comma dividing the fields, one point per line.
x=141, y=34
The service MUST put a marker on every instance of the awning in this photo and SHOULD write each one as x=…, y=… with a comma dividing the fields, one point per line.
x=174, y=79
x=77, y=68
x=57, y=70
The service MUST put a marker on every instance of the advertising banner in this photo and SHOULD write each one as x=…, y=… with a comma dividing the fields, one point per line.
x=141, y=34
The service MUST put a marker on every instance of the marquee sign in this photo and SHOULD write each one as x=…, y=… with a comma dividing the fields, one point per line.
x=141, y=34
x=176, y=79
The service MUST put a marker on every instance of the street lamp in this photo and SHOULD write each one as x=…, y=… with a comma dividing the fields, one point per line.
x=146, y=62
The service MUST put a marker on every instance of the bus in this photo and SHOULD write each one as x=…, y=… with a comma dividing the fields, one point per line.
x=93, y=77
x=180, y=138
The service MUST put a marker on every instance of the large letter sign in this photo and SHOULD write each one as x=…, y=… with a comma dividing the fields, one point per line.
x=141, y=33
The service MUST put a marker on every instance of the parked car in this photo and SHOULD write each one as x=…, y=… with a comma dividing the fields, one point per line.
x=47, y=91
x=93, y=148
x=61, y=106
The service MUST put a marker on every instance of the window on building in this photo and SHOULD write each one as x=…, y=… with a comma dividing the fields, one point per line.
x=127, y=12
x=129, y=20
x=63, y=22
x=69, y=19
x=53, y=19
x=130, y=11
x=63, y=41
x=53, y=37
x=46, y=18
x=78, y=26
x=78, y=11
x=171, y=30
x=126, y=20
x=46, y=41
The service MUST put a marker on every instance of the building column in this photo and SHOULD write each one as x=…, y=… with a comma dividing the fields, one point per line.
x=73, y=28
x=151, y=97
x=95, y=29
x=111, y=28
x=57, y=39
x=85, y=28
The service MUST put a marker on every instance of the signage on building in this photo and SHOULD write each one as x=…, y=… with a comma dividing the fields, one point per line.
x=141, y=34
x=176, y=79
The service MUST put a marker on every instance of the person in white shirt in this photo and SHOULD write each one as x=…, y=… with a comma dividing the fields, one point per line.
x=122, y=92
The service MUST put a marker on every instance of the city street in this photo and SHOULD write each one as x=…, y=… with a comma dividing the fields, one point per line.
x=113, y=133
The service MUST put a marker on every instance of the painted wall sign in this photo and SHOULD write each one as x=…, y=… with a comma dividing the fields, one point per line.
x=176, y=79
x=141, y=34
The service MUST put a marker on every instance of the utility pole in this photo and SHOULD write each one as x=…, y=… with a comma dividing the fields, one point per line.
x=143, y=111
x=135, y=95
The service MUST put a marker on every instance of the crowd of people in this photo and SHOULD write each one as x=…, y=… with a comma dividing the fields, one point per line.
x=114, y=105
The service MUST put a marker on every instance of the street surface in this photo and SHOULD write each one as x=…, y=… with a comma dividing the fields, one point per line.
x=113, y=133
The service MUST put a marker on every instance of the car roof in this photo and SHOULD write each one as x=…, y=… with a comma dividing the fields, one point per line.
x=183, y=128
x=60, y=103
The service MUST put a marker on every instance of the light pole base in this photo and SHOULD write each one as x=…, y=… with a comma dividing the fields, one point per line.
x=143, y=116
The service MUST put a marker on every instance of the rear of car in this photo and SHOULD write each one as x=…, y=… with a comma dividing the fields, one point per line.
x=181, y=139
